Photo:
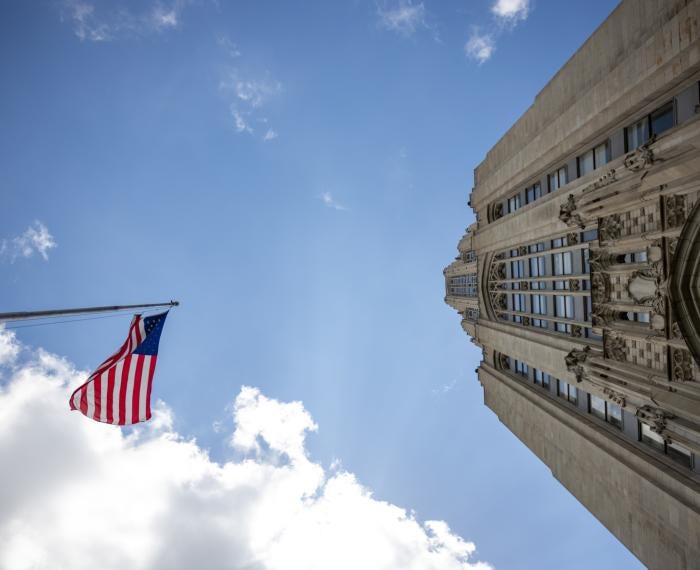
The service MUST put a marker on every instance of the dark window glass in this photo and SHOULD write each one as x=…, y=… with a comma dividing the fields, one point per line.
x=590, y=235
x=662, y=119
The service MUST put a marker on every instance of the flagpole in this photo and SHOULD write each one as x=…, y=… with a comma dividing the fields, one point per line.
x=23, y=315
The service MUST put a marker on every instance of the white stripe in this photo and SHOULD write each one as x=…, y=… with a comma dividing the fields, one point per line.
x=142, y=329
x=103, y=396
x=134, y=342
x=144, y=387
x=115, y=394
x=90, y=400
x=76, y=399
x=130, y=391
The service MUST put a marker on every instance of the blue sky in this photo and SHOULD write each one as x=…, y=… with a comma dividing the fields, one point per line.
x=296, y=174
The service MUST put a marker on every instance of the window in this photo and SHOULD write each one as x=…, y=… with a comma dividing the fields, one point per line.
x=537, y=269
x=674, y=450
x=586, y=163
x=636, y=135
x=472, y=314
x=557, y=179
x=563, y=308
x=567, y=391
x=463, y=285
x=519, y=306
x=585, y=258
x=604, y=410
x=517, y=269
x=590, y=235
x=521, y=368
x=541, y=378
x=662, y=119
x=513, y=203
x=561, y=262
x=533, y=193
x=539, y=307
x=469, y=256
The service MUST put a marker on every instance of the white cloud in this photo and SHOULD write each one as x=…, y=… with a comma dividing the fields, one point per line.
x=35, y=239
x=404, y=17
x=231, y=48
x=100, y=20
x=330, y=202
x=480, y=47
x=445, y=388
x=249, y=97
x=511, y=10
x=78, y=494
x=271, y=134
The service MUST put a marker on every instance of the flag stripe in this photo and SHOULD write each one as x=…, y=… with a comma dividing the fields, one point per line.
x=96, y=394
x=117, y=392
x=122, y=390
x=136, y=394
x=151, y=371
x=110, y=395
x=103, y=397
x=143, y=389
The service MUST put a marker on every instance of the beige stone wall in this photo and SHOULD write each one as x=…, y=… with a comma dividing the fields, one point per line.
x=653, y=510
x=644, y=50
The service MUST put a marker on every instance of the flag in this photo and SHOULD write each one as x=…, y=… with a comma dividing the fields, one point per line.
x=119, y=391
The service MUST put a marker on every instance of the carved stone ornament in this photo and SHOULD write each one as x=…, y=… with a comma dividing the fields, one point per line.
x=655, y=418
x=602, y=315
x=649, y=287
x=575, y=362
x=608, y=178
x=572, y=238
x=682, y=363
x=496, y=211
x=502, y=361
x=501, y=302
x=524, y=285
x=600, y=259
x=641, y=158
x=672, y=245
x=600, y=287
x=574, y=285
x=522, y=250
x=526, y=321
x=675, y=211
x=568, y=215
x=610, y=227
x=576, y=331
x=499, y=255
x=615, y=397
x=501, y=271
x=614, y=347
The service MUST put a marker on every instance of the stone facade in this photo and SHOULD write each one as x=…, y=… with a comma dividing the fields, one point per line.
x=585, y=257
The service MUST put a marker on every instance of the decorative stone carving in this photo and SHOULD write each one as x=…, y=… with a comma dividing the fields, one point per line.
x=526, y=321
x=614, y=347
x=600, y=288
x=501, y=361
x=501, y=271
x=655, y=418
x=610, y=227
x=524, y=285
x=575, y=362
x=522, y=250
x=676, y=330
x=615, y=397
x=675, y=211
x=501, y=302
x=499, y=255
x=576, y=331
x=672, y=245
x=682, y=363
x=572, y=238
x=649, y=287
x=568, y=215
x=602, y=315
x=608, y=178
x=641, y=158
x=496, y=211
x=574, y=285
x=600, y=259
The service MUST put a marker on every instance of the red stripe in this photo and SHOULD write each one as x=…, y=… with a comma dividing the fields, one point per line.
x=83, y=398
x=138, y=331
x=72, y=405
x=151, y=371
x=137, y=389
x=110, y=395
x=122, y=390
x=98, y=396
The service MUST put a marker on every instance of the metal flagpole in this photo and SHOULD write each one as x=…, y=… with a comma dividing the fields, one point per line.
x=23, y=315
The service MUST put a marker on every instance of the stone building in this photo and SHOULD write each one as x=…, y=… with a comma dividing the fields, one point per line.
x=580, y=279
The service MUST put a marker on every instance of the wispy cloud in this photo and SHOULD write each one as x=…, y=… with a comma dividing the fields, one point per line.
x=479, y=46
x=445, y=388
x=330, y=202
x=271, y=506
x=248, y=94
x=403, y=17
x=511, y=10
x=101, y=21
x=35, y=239
x=506, y=14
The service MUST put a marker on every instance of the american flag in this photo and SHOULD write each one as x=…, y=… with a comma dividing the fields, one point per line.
x=119, y=391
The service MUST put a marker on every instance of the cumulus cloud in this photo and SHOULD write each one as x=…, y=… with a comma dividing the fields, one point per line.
x=77, y=494
x=101, y=21
x=511, y=10
x=404, y=17
x=35, y=239
x=480, y=46
x=330, y=202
